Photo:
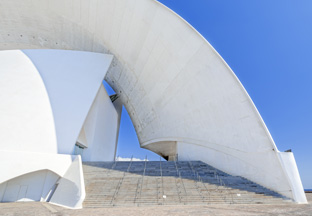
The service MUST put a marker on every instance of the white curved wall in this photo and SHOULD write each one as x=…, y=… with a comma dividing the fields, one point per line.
x=21, y=169
x=71, y=188
x=174, y=85
x=100, y=129
x=17, y=163
x=45, y=98
x=29, y=187
x=72, y=80
x=27, y=122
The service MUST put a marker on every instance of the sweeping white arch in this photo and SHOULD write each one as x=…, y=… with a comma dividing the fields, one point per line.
x=182, y=97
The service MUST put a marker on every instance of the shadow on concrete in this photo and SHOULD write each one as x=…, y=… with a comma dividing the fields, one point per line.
x=192, y=170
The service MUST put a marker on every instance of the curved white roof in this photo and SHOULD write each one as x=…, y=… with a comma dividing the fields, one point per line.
x=177, y=89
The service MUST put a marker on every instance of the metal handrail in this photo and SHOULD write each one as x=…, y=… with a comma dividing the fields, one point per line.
x=222, y=183
x=179, y=174
x=120, y=182
x=142, y=180
x=195, y=182
x=162, y=181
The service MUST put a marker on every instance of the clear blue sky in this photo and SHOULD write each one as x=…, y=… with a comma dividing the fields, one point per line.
x=268, y=44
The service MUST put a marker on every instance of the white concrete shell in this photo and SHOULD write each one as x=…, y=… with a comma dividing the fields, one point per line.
x=32, y=176
x=182, y=97
x=47, y=99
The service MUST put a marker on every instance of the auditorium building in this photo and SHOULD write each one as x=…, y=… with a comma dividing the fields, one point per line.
x=185, y=102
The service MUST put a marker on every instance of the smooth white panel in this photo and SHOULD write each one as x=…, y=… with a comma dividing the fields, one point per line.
x=290, y=166
x=68, y=167
x=71, y=189
x=72, y=80
x=50, y=180
x=26, y=120
x=100, y=128
x=2, y=190
x=27, y=187
x=14, y=164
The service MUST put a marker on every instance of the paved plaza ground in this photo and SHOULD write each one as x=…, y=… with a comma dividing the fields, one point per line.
x=38, y=209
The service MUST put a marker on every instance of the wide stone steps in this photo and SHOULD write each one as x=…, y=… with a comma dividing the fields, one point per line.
x=153, y=183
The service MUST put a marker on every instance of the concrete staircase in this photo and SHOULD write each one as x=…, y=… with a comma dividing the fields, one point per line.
x=148, y=183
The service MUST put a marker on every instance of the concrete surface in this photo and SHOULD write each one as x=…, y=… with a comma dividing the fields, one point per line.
x=173, y=183
x=37, y=209
x=20, y=180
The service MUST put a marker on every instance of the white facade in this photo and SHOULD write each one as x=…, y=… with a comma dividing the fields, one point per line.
x=100, y=130
x=48, y=98
x=182, y=97
x=32, y=176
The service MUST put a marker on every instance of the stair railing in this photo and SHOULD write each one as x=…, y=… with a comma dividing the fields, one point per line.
x=195, y=173
x=162, y=181
x=140, y=194
x=120, y=182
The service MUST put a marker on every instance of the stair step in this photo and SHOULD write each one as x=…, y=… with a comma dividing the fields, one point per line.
x=110, y=184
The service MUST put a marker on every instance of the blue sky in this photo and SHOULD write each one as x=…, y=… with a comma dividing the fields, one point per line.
x=268, y=45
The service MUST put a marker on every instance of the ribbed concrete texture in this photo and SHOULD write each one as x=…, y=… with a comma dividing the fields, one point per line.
x=148, y=183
